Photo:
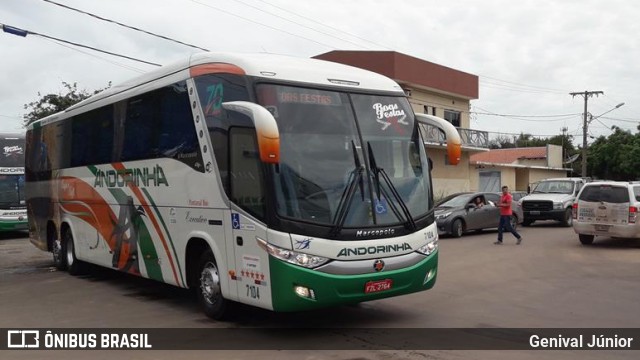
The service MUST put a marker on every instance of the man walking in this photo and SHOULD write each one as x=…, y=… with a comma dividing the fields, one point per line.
x=505, y=216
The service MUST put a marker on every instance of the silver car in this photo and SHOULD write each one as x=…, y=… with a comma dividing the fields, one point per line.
x=459, y=213
x=607, y=208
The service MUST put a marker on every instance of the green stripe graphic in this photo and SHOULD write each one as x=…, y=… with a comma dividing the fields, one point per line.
x=164, y=225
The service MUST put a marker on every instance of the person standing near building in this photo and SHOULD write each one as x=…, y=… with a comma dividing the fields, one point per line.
x=505, y=216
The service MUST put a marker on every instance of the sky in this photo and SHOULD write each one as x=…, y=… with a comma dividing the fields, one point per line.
x=528, y=55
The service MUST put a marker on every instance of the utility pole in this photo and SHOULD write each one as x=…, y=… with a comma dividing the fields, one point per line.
x=585, y=125
x=564, y=135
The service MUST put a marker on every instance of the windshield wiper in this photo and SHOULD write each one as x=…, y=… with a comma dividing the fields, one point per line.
x=355, y=178
x=379, y=189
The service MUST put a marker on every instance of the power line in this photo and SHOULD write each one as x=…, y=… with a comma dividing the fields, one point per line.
x=124, y=25
x=261, y=24
x=99, y=57
x=539, y=88
x=632, y=121
x=22, y=32
x=325, y=25
x=299, y=24
x=521, y=117
x=523, y=133
x=522, y=89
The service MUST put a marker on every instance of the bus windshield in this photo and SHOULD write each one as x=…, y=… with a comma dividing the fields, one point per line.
x=11, y=191
x=331, y=141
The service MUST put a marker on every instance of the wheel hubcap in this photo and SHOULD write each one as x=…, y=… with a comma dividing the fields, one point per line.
x=70, y=252
x=210, y=283
x=56, y=251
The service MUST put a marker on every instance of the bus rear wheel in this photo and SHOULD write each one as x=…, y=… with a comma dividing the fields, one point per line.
x=58, y=257
x=209, y=290
x=68, y=255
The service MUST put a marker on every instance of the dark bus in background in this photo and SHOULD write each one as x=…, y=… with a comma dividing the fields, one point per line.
x=13, y=211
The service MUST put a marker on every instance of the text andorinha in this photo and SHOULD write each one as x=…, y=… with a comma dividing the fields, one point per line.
x=136, y=176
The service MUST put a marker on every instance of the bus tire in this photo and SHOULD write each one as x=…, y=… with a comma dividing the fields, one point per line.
x=71, y=262
x=58, y=256
x=586, y=239
x=208, y=288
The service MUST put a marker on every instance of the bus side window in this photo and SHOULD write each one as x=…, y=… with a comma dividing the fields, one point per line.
x=246, y=171
x=160, y=124
x=177, y=136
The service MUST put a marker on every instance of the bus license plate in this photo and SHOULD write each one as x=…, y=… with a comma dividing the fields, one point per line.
x=377, y=286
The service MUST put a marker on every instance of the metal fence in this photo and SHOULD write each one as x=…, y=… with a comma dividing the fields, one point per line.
x=470, y=137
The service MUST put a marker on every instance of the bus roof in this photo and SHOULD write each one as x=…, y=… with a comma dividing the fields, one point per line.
x=267, y=66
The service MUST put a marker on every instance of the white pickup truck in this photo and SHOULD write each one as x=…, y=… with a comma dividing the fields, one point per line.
x=551, y=199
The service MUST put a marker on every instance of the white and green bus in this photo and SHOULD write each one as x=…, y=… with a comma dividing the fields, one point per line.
x=13, y=210
x=284, y=183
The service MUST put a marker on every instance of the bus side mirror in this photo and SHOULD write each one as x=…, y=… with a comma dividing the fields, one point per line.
x=454, y=142
x=267, y=131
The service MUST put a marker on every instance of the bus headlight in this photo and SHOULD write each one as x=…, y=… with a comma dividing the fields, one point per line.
x=293, y=257
x=429, y=248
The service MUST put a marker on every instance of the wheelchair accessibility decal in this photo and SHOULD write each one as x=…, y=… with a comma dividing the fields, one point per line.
x=235, y=223
x=380, y=206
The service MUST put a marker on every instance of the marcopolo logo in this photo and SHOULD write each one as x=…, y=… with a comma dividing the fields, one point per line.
x=373, y=250
x=377, y=232
x=137, y=176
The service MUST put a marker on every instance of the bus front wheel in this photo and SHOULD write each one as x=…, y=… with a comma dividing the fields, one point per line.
x=209, y=290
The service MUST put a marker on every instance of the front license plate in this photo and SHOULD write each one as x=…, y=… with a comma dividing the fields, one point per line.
x=377, y=286
x=535, y=212
x=602, y=227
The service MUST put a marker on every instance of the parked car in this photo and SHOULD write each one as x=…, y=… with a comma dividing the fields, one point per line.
x=458, y=213
x=607, y=208
x=551, y=199
x=517, y=195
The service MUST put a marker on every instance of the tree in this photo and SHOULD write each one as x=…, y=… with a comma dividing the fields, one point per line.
x=501, y=142
x=616, y=157
x=53, y=103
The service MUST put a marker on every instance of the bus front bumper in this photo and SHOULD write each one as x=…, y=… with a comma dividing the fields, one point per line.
x=331, y=290
x=13, y=225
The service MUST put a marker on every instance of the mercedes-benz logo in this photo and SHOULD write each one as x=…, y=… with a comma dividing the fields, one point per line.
x=378, y=265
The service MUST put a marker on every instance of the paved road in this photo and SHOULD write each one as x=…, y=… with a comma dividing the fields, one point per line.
x=548, y=281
